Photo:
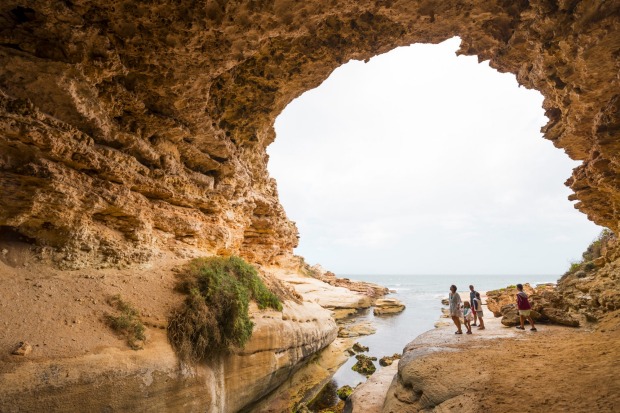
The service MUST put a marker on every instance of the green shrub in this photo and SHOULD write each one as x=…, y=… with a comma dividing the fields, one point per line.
x=128, y=323
x=215, y=315
x=594, y=251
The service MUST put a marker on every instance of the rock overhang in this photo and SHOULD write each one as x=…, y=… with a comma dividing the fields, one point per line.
x=130, y=128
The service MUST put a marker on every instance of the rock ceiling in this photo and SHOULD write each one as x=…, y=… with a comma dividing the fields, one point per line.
x=131, y=127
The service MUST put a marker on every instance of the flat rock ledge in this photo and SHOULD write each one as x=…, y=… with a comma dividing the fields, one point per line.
x=385, y=306
x=369, y=396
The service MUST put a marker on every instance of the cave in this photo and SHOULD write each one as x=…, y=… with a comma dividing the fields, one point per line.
x=131, y=129
x=162, y=112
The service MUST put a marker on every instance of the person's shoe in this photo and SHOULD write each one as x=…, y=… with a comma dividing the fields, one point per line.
x=474, y=324
x=481, y=328
x=520, y=328
x=469, y=332
x=458, y=332
x=533, y=329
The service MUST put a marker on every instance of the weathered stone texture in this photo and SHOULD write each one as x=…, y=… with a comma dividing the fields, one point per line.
x=129, y=127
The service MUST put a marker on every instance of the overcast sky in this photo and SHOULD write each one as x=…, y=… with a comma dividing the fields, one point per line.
x=421, y=162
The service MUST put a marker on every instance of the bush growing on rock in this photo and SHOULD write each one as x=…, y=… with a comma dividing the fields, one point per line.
x=127, y=323
x=595, y=251
x=215, y=315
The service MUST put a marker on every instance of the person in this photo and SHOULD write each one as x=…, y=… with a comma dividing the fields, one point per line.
x=525, y=308
x=455, y=308
x=479, y=312
x=467, y=316
x=472, y=296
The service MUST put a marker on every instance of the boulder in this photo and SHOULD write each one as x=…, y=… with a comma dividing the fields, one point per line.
x=496, y=299
x=344, y=392
x=510, y=315
x=364, y=365
x=388, y=360
x=388, y=306
x=358, y=348
x=560, y=317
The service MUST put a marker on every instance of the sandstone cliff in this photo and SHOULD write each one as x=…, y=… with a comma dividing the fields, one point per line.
x=128, y=128
x=61, y=315
x=132, y=129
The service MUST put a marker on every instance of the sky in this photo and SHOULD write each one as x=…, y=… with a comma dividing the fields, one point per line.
x=422, y=162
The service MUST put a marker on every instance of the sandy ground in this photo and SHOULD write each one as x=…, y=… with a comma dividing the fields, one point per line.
x=61, y=313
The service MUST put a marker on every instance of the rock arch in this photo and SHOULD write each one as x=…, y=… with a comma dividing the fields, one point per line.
x=128, y=128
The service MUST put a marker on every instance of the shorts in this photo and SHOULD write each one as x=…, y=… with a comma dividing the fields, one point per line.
x=524, y=313
x=479, y=313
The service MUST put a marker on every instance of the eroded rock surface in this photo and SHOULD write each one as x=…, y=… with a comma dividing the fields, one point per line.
x=385, y=306
x=129, y=127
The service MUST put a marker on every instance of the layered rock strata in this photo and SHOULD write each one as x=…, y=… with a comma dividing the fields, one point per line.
x=153, y=380
x=384, y=306
x=73, y=352
x=127, y=128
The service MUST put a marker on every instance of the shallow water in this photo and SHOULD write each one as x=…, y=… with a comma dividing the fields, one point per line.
x=422, y=296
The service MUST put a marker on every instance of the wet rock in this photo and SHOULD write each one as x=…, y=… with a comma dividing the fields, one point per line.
x=356, y=330
x=344, y=392
x=364, y=365
x=388, y=360
x=358, y=348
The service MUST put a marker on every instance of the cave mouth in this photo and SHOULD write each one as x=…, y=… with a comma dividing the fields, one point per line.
x=422, y=161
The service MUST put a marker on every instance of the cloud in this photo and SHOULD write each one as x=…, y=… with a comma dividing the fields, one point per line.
x=423, y=162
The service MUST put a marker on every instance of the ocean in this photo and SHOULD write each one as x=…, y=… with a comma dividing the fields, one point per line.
x=422, y=296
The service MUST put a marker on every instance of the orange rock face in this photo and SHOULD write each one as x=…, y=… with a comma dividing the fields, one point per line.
x=128, y=127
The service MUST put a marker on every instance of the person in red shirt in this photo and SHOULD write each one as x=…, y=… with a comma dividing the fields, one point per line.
x=525, y=308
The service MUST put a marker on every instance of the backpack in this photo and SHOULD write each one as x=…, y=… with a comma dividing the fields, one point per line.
x=522, y=302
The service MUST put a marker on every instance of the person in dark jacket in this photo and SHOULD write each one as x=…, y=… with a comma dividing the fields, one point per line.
x=525, y=308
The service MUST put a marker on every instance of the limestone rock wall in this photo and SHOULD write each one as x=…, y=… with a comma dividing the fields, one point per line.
x=129, y=127
x=153, y=379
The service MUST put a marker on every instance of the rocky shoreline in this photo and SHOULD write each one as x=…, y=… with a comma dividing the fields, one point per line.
x=441, y=371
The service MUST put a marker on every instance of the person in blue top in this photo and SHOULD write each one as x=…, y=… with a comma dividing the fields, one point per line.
x=472, y=295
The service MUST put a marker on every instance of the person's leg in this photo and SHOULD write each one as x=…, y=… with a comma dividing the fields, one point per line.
x=481, y=323
x=522, y=321
x=475, y=318
x=457, y=323
x=529, y=317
